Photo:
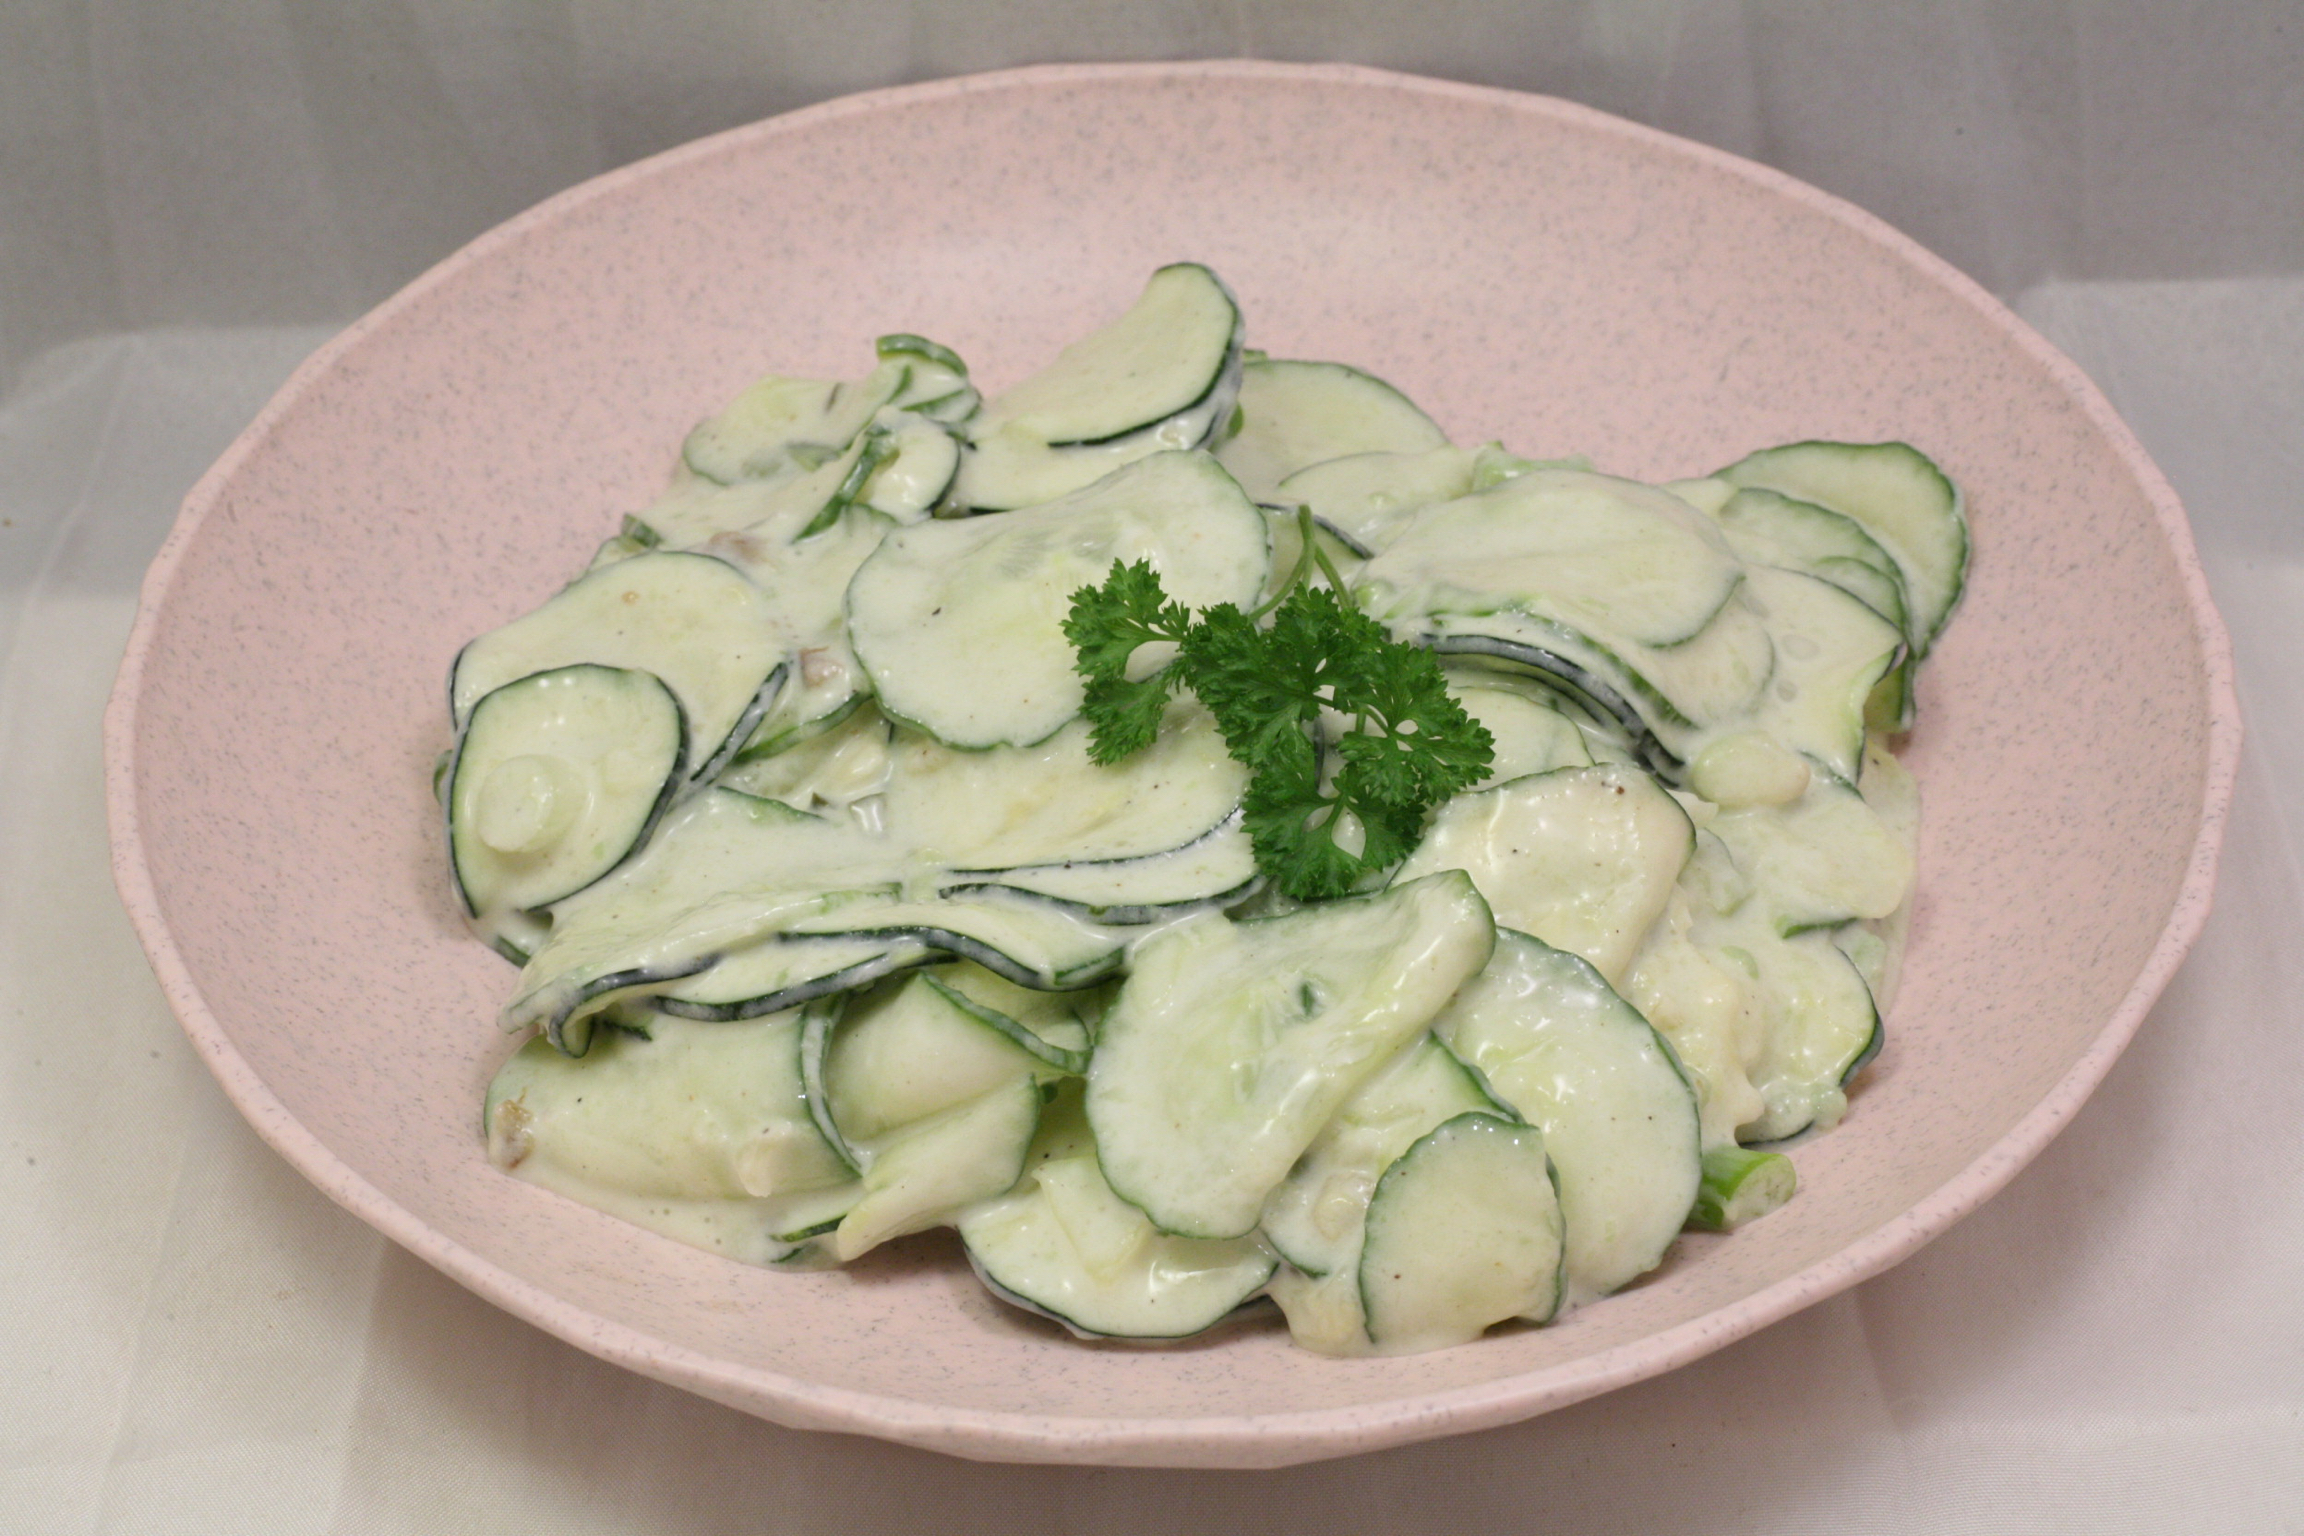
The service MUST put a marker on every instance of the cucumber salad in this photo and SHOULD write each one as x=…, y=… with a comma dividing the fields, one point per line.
x=1193, y=829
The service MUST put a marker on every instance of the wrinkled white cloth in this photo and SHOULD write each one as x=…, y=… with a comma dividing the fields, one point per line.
x=200, y=1342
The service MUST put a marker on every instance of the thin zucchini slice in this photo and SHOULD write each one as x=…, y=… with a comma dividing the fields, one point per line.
x=1315, y=1217
x=1619, y=1119
x=1584, y=858
x=1162, y=376
x=1464, y=1231
x=1065, y=1246
x=694, y=621
x=698, y=1131
x=1295, y=414
x=960, y=623
x=1898, y=496
x=1614, y=559
x=1232, y=1044
x=558, y=778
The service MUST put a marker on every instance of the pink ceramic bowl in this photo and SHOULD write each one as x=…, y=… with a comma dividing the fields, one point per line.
x=1530, y=271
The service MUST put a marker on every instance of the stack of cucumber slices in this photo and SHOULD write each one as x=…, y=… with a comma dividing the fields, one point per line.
x=832, y=929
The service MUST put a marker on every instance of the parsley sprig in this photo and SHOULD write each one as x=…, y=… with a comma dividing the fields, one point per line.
x=1321, y=679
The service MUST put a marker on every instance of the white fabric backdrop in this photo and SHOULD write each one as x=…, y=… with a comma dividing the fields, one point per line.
x=199, y=1342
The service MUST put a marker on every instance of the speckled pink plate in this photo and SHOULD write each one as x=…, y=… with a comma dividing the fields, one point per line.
x=1529, y=270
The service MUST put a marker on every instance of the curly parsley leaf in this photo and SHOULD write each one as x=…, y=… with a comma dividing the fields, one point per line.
x=1400, y=743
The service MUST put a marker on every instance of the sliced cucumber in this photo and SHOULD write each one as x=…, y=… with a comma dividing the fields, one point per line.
x=1740, y=1186
x=700, y=1132
x=1032, y=943
x=1464, y=1231
x=1065, y=1246
x=936, y=380
x=1216, y=869
x=1767, y=528
x=780, y=426
x=781, y=972
x=1314, y=1218
x=1367, y=499
x=926, y=1174
x=960, y=624
x=834, y=762
x=1231, y=1044
x=1823, y=860
x=1584, y=858
x=1820, y=1028
x=558, y=778
x=1529, y=737
x=1295, y=414
x=695, y=622
x=920, y=1046
x=1899, y=497
x=1162, y=376
x=1027, y=808
x=1613, y=559
x=1619, y=1119
x=1704, y=1005
x=1830, y=652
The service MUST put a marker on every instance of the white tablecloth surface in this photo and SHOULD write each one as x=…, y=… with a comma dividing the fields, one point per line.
x=196, y=1341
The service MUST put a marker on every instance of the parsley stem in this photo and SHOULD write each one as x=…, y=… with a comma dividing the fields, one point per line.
x=1307, y=547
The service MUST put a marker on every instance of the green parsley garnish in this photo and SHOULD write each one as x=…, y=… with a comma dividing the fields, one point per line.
x=1321, y=681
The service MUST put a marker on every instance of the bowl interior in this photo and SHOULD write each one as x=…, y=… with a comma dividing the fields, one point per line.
x=1528, y=271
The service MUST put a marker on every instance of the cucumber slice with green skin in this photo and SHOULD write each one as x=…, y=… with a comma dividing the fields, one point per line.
x=1464, y=1231
x=1899, y=497
x=960, y=624
x=781, y=973
x=1529, y=737
x=1619, y=1119
x=1740, y=1186
x=1821, y=1028
x=1370, y=499
x=927, y=1173
x=916, y=472
x=1216, y=869
x=1315, y=1217
x=724, y=872
x=1614, y=559
x=558, y=779
x=1232, y=1044
x=782, y=426
x=700, y=1133
x=1703, y=1004
x=1064, y=1246
x=1296, y=414
x=1583, y=858
x=712, y=636
x=1031, y=943
x=1830, y=652
x=1666, y=701
x=1027, y=808
x=1163, y=376
x=936, y=381
x=836, y=762
x=1825, y=859
x=1765, y=527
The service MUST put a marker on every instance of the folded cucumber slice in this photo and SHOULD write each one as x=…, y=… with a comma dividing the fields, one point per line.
x=782, y=972
x=1584, y=858
x=1703, y=1004
x=936, y=382
x=557, y=779
x=1065, y=1246
x=1619, y=1120
x=1232, y=1044
x=1820, y=1029
x=1768, y=528
x=1825, y=859
x=960, y=623
x=1898, y=496
x=1464, y=1231
x=1296, y=414
x=694, y=621
x=927, y=1173
x=783, y=426
x=920, y=1046
x=698, y=1131
x=1830, y=652
x=1740, y=1186
x=1162, y=376
x=1315, y=1217
x=1614, y=559
x=835, y=761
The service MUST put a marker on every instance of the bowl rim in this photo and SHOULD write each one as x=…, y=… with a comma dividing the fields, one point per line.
x=1260, y=1440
